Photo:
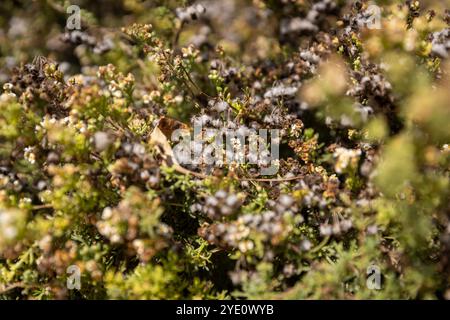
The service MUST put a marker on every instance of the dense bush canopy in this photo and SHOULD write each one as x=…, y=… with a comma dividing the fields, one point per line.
x=88, y=178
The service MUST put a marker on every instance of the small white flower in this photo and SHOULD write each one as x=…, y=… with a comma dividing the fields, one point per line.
x=345, y=157
x=325, y=230
x=306, y=245
x=10, y=232
x=107, y=213
x=29, y=155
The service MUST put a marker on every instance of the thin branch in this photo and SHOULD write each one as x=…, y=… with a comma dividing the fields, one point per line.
x=182, y=170
x=13, y=286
